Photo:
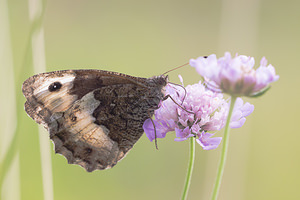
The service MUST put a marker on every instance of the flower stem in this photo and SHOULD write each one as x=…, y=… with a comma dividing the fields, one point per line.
x=224, y=152
x=190, y=169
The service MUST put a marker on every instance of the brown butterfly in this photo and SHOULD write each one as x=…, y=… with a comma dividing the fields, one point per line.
x=94, y=117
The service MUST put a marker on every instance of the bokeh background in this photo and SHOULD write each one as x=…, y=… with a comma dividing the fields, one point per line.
x=147, y=38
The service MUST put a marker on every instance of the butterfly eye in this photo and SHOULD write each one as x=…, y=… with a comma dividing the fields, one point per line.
x=54, y=86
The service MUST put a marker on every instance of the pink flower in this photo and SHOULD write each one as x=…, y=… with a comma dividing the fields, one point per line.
x=235, y=76
x=209, y=113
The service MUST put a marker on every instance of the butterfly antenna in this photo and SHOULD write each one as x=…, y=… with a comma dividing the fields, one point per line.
x=179, y=67
x=175, y=68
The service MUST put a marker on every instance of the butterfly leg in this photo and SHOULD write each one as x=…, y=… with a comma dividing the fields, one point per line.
x=154, y=128
x=169, y=96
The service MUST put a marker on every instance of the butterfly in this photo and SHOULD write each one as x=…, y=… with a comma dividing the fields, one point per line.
x=94, y=117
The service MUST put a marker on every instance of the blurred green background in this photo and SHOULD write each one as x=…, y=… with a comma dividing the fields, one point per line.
x=147, y=38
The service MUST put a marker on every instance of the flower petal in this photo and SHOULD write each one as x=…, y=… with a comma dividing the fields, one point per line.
x=208, y=143
x=240, y=111
x=161, y=128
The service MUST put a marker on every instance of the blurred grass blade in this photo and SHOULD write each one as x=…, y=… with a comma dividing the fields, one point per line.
x=36, y=11
x=11, y=176
x=239, y=23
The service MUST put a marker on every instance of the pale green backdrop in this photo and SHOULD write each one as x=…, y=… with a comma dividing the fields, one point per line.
x=147, y=38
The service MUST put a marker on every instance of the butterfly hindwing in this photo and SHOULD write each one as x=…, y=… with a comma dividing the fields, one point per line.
x=80, y=139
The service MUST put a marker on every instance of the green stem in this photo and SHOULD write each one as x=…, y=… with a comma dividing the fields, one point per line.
x=13, y=148
x=190, y=169
x=224, y=152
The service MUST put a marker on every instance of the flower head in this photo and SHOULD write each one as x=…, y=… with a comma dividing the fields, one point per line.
x=235, y=76
x=207, y=112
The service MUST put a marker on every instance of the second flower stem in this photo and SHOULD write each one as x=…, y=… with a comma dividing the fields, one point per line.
x=224, y=152
x=190, y=169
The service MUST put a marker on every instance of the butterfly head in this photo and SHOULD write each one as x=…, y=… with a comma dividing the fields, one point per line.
x=161, y=80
